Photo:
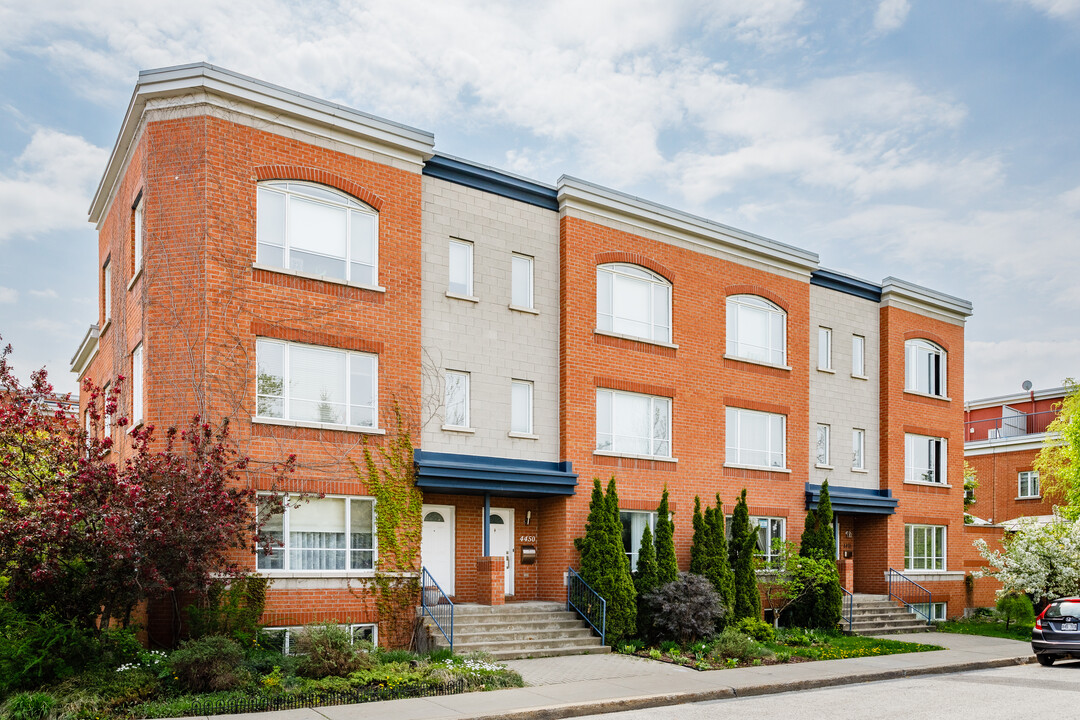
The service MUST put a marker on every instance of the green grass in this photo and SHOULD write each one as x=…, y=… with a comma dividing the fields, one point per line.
x=987, y=627
x=839, y=647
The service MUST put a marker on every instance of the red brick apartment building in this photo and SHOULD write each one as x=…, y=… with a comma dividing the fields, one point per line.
x=302, y=267
x=1003, y=435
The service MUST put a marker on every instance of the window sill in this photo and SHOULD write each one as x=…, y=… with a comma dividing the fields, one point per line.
x=466, y=298
x=135, y=426
x=657, y=458
x=107, y=324
x=927, y=484
x=757, y=362
x=1029, y=497
x=313, y=276
x=255, y=419
x=943, y=398
x=526, y=310
x=765, y=468
x=826, y=370
x=860, y=470
x=860, y=377
x=135, y=277
x=932, y=575
x=287, y=574
x=458, y=429
x=635, y=338
x=522, y=436
x=819, y=466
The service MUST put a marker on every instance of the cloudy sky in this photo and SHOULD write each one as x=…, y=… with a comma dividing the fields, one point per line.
x=933, y=140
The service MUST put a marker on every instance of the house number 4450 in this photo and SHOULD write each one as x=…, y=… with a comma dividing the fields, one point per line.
x=527, y=539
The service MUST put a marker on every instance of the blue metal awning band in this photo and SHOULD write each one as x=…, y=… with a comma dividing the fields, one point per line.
x=478, y=474
x=853, y=500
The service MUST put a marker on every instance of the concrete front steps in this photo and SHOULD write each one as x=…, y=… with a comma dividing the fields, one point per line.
x=878, y=615
x=519, y=630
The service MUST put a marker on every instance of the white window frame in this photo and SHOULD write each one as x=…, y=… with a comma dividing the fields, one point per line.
x=741, y=309
x=825, y=348
x=937, y=472
x=613, y=276
x=940, y=610
x=823, y=442
x=1030, y=479
x=106, y=416
x=106, y=278
x=468, y=269
x=734, y=451
x=284, y=550
x=528, y=386
x=521, y=273
x=606, y=397
x=858, y=449
x=932, y=538
x=286, y=392
x=858, y=356
x=635, y=538
x=329, y=197
x=928, y=379
x=353, y=628
x=759, y=523
x=137, y=240
x=467, y=382
x=138, y=365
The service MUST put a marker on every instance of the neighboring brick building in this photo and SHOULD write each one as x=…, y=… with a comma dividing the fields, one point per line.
x=301, y=267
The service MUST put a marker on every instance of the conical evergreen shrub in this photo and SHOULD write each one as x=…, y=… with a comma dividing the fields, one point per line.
x=719, y=566
x=743, y=547
x=618, y=584
x=645, y=580
x=823, y=607
x=699, y=545
x=666, y=564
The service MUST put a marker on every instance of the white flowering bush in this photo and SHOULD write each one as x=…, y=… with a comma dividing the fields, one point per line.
x=1042, y=561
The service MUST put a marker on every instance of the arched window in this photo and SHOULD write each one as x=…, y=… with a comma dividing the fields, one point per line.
x=316, y=230
x=756, y=330
x=631, y=300
x=924, y=367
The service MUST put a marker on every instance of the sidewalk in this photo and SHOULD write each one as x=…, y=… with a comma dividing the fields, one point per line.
x=577, y=685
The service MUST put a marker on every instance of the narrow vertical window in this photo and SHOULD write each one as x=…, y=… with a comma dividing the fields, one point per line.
x=137, y=239
x=824, y=349
x=823, y=445
x=461, y=268
x=521, y=401
x=1028, y=484
x=457, y=399
x=137, y=386
x=858, y=449
x=521, y=281
x=106, y=292
x=106, y=416
x=858, y=355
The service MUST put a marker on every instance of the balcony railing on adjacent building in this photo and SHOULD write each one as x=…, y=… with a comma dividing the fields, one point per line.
x=1008, y=425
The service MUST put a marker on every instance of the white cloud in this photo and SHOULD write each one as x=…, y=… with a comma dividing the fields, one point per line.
x=48, y=293
x=999, y=367
x=1055, y=8
x=891, y=15
x=50, y=184
x=8, y=296
x=758, y=21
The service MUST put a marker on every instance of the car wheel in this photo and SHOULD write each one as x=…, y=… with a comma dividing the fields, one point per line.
x=1046, y=660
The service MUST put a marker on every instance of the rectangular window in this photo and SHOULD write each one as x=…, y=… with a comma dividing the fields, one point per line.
x=858, y=355
x=1028, y=484
x=521, y=402
x=461, y=268
x=106, y=289
x=329, y=533
x=824, y=348
x=771, y=530
x=924, y=368
x=521, y=281
x=633, y=424
x=822, y=444
x=137, y=238
x=283, y=639
x=937, y=612
x=457, y=399
x=858, y=449
x=633, y=524
x=106, y=417
x=316, y=384
x=755, y=438
x=137, y=386
x=924, y=547
x=925, y=459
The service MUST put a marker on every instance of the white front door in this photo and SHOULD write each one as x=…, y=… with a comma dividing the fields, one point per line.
x=502, y=541
x=437, y=545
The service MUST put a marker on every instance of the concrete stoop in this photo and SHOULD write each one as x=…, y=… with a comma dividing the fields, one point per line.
x=519, y=630
x=878, y=615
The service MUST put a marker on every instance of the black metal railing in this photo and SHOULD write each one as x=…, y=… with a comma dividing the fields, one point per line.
x=587, y=603
x=292, y=701
x=437, y=605
x=848, y=616
x=911, y=594
x=1006, y=426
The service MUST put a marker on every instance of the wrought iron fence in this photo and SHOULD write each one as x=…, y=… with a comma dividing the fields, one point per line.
x=587, y=603
x=435, y=604
x=911, y=594
x=849, y=603
x=292, y=701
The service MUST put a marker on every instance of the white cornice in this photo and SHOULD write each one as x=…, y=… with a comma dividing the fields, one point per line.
x=201, y=83
x=87, y=350
x=1005, y=445
x=579, y=195
x=924, y=301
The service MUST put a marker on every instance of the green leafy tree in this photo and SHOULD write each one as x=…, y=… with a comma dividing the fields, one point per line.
x=971, y=484
x=794, y=579
x=667, y=565
x=1016, y=608
x=742, y=550
x=1058, y=463
x=719, y=568
x=646, y=579
x=822, y=605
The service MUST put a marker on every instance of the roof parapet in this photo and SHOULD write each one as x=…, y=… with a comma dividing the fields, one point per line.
x=922, y=300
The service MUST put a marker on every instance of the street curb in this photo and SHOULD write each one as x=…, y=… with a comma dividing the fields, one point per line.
x=645, y=702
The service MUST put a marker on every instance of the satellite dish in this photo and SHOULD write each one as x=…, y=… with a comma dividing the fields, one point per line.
x=1027, y=385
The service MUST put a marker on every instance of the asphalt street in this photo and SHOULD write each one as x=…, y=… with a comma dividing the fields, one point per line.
x=1025, y=691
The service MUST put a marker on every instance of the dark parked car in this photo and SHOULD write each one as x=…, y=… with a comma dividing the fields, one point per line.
x=1056, y=634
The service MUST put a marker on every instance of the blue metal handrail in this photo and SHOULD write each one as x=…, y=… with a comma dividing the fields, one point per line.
x=850, y=615
x=437, y=605
x=586, y=602
x=906, y=590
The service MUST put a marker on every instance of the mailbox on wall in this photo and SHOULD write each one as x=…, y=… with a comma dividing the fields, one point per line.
x=528, y=554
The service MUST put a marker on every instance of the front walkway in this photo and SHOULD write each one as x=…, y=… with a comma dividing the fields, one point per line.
x=588, y=684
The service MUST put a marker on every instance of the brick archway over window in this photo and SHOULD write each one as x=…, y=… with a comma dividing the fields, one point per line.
x=759, y=291
x=315, y=175
x=924, y=335
x=644, y=261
